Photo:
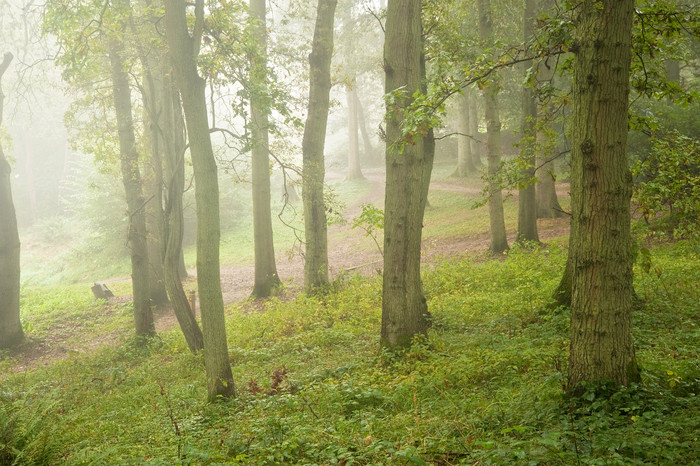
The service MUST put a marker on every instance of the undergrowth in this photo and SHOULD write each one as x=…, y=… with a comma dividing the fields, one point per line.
x=484, y=387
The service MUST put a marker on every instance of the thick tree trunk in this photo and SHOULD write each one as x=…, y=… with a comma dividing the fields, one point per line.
x=465, y=159
x=408, y=167
x=10, y=324
x=266, y=279
x=131, y=178
x=527, y=202
x=601, y=346
x=183, y=50
x=174, y=131
x=499, y=241
x=313, y=143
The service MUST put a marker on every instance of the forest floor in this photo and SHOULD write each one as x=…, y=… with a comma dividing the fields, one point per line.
x=349, y=251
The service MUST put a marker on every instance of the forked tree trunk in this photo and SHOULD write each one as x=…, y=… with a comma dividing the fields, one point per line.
x=601, y=348
x=266, y=279
x=184, y=50
x=313, y=143
x=527, y=201
x=131, y=178
x=408, y=168
x=174, y=131
x=10, y=325
x=499, y=241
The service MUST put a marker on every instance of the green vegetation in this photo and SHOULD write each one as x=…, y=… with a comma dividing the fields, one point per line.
x=485, y=386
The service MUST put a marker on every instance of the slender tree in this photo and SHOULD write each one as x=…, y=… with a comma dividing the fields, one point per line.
x=601, y=348
x=313, y=143
x=465, y=159
x=499, y=241
x=408, y=168
x=10, y=324
x=354, y=170
x=266, y=279
x=131, y=177
x=184, y=49
x=527, y=202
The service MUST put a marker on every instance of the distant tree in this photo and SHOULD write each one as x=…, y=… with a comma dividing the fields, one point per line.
x=10, y=324
x=465, y=158
x=131, y=176
x=313, y=143
x=348, y=42
x=266, y=278
x=527, y=201
x=184, y=49
x=601, y=349
x=491, y=87
x=409, y=159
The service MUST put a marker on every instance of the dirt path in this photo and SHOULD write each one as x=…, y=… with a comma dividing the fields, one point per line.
x=347, y=250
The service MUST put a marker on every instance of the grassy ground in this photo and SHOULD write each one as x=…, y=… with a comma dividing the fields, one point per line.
x=485, y=386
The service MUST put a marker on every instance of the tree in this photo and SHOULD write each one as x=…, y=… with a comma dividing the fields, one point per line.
x=601, y=348
x=313, y=142
x=354, y=170
x=10, y=324
x=409, y=159
x=499, y=241
x=266, y=278
x=465, y=158
x=184, y=49
x=131, y=178
x=527, y=202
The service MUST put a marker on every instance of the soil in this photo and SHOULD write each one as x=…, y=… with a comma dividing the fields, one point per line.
x=349, y=251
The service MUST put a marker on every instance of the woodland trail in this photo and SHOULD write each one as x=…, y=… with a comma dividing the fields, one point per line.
x=348, y=250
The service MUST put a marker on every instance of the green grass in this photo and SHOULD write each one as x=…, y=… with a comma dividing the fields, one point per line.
x=484, y=386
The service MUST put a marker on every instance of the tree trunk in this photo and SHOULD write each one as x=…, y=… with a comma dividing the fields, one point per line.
x=184, y=50
x=367, y=146
x=499, y=241
x=354, y=170
x=601, y=346
x=10, y=325
x=474, y=140
x=131, y=178
x=266, y=279
x=408, y=167
x=173, y=219
x=313, y=143
x=465, y=159
x=527, y=201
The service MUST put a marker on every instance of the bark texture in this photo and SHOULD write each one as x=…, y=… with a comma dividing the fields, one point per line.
x=133, y=187
x=313, y=143
x=601, y=347
x=266, y=279
x=184, y=48
x=10, y=324
x=408, y=169
x=499, y=241
x=527, y=201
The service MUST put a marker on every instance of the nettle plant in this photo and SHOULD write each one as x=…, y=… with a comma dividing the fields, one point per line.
x=667, y=183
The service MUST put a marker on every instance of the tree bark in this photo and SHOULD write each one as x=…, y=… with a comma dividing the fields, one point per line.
x=499, y=241
x=313, y=143
x=267, y=281
x=131, y=178
x=184, y=50
x=601, y=348
x=408, y=168
x=527, y=201
x=10, y=325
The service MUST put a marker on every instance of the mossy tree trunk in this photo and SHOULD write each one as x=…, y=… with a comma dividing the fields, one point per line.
x=266, y=279
x=499, y=241
x=10, y=325
x=133, y=187
x=408, y=168
x=184, y=49
x=313, y=143
x=601, y=348
x=527, y=201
